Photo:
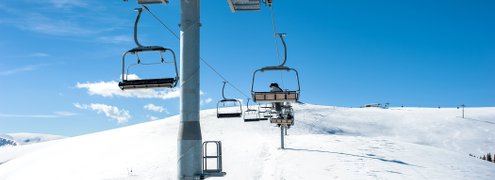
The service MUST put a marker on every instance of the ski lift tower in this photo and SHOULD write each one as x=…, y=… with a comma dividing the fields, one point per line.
x=189, y=141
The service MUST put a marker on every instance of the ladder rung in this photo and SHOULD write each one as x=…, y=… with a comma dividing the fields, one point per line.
x=212, y=156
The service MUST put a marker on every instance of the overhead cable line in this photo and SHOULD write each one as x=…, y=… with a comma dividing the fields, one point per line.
x=275, y=34
x=204, y=61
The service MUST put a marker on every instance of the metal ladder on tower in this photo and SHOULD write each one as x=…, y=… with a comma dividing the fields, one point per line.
x=214, y=159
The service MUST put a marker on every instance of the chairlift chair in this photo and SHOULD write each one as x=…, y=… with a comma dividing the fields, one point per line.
x=247, y=5
x=287, y=117
x=168, y=82
x=266, y=110
x=282, y=96
x=251, y=115
x=226, y=108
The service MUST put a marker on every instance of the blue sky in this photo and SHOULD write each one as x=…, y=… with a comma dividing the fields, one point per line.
x=59, y=59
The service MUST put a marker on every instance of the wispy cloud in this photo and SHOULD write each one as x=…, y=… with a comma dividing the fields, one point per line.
x=120, y=115
x=18, y=70
x=57, y=27
x=68, y=3
x=58, y=114
x=65, y=113
x=38, y=54
x=63, y=18
x=156, y=108
x=31, y=55
x=115, y=39
x=111, y=89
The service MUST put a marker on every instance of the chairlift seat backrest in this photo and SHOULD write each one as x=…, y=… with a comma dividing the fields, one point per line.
x=279, y=120
x=283, y=96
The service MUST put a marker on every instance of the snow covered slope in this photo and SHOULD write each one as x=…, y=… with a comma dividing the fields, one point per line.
x=325, y=143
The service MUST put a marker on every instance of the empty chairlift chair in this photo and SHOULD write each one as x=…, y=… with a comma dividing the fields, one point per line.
x=251, y=115
x=266, y=110
x=282, y=96
x=166, y=82
x=228, y=108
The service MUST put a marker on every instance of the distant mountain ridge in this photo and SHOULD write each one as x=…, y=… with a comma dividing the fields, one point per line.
x=6, y=140
x=16, y=139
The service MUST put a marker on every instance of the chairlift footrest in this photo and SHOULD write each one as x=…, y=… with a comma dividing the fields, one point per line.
x=255, y=119
x=210, y=173
x=148, y=83
x=228, y=115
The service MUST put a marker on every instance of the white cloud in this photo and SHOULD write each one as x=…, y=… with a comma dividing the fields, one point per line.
x=152, y=107
x=111, y=89
x=18, y=70
x=152, y=118
x=208, y=100
x=120, y=115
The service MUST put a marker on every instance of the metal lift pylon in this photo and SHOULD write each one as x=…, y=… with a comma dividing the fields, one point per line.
x=189, y=141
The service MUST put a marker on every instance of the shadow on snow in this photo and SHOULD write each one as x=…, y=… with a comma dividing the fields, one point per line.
x=368, y=156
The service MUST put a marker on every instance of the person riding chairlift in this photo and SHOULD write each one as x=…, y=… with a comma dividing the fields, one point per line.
x=278, y=106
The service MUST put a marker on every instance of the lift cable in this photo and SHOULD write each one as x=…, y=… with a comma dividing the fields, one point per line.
x=275, y=32
x=204, y=61
x=272, y=13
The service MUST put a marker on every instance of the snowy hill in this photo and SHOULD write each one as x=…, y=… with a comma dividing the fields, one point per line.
x=325, y=143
